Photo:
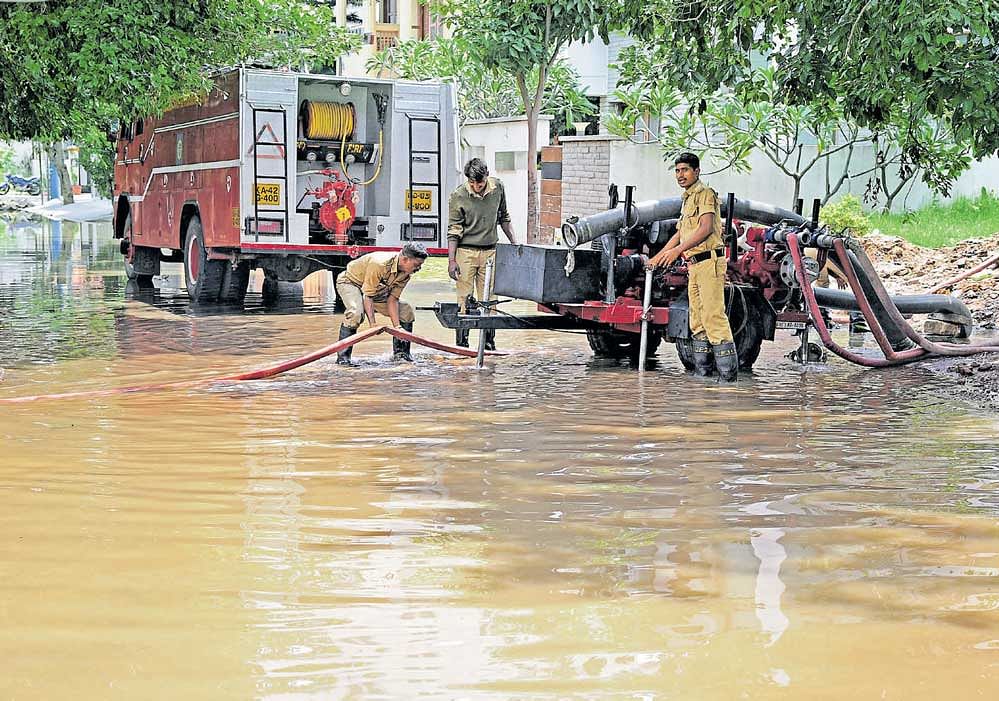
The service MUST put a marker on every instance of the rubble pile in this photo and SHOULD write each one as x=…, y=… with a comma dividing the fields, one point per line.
x=910, y=269
x=13, y=202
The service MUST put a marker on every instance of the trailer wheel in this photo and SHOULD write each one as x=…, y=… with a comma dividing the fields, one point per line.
x=234, y=283
x=139, y=260
x=685, y=352
x=747, y=330
x=747, y=326
x=204, y=276
x=621, y=344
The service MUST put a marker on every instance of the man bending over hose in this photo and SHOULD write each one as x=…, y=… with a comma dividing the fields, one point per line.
x=374, y=283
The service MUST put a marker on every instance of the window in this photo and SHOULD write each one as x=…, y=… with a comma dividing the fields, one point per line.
x=511, y=160
x=388, y=11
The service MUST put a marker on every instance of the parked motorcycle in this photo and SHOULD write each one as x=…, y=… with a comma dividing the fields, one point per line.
x=16, y=182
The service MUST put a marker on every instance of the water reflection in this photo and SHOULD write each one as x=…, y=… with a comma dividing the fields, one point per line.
x=555, y=527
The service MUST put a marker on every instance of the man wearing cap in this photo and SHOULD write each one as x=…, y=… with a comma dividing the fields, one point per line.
x=698, y=239
x=475, y=209
x=374, y=283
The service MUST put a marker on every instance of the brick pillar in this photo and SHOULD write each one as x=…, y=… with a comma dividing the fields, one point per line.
x=551, y=193
x=585, y=175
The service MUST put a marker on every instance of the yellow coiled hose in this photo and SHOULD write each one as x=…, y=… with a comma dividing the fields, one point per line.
x=335, y=120
x=328, y=120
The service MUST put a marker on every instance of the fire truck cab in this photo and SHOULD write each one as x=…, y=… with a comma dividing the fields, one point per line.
x=286, y=172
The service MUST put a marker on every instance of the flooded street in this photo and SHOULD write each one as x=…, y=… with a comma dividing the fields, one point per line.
x=553, y=527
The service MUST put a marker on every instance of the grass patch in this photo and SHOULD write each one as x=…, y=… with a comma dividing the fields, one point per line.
x=938, y=225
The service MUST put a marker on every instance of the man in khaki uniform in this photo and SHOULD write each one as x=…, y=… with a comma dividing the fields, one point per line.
x=698, y=239
x=475, y=209
x=374, y=283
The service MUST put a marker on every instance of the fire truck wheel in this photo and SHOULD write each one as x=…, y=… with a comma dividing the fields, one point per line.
x=620, y=344
x=140, y=258
x=204, y=276
x=234, y=283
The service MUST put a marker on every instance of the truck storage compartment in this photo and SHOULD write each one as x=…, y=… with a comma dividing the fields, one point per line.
x=537, y=273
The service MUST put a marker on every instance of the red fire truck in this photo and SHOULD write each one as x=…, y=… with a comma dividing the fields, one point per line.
x=286, y=172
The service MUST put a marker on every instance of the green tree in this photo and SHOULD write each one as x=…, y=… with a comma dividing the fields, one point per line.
x=482, y=93
x=70, y=68
x=522, y=39
x=729, y=128
x=934, y=60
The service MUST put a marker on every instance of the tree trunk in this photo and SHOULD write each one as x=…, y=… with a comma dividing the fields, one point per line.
x=57, y=157
x=533, y=232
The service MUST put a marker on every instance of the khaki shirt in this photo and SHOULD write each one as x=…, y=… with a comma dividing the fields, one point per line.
x=378, y=275
x=700, y=199
x=472, y=218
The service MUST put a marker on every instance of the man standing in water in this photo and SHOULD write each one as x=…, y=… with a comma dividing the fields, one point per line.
x=698, y=239
x=374, y=283
x=475, y=209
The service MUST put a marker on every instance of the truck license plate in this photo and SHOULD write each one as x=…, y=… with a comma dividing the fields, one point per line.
x=419, y=200
x=791, y=324
x=269, y=194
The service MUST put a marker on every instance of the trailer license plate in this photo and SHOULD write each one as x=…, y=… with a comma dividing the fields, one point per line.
x=419, y=200
x=791, y=324
x=269, y=194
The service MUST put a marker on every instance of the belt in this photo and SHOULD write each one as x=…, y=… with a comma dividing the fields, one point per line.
x=477, y=248
x=705, y=255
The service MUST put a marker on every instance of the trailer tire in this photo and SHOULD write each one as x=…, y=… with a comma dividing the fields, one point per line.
x=685, y=352
x=621, y=344
x=203, y=276
x=747, y=330
x=234, y=283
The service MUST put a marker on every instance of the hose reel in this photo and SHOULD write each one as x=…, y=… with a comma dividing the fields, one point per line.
x=328, y=120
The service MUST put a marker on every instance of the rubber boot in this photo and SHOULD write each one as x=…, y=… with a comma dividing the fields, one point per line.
x=704, y=364
x=490, y=335
x=461, y=337
x=727, y=361
x=343, y=357
x=400, y=348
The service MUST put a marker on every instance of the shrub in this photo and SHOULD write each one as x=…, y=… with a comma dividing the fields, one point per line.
x=847, y=213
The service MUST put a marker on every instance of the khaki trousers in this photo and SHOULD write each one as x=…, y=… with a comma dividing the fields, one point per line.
x=472, y=272
x=706, y=292
x=353, y=299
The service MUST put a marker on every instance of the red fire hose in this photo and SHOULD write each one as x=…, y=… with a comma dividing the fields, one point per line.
x=262, y=372
x=925, y=349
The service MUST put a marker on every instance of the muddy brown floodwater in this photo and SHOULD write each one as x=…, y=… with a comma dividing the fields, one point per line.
x=554, y=527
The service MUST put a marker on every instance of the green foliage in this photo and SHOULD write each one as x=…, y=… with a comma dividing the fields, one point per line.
x=729, y=125
x=847, y=213
x=944, y=224
x=69, y=68
x=7, y=161
x=930, y=59
x=482, y=92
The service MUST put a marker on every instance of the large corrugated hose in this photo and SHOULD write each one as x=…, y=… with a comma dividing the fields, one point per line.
x=328, y=120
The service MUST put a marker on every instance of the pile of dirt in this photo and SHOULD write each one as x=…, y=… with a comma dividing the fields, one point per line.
x=909, y=269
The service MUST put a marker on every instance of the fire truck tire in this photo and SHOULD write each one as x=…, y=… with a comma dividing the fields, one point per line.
x=274, y=291
x=234, y=284
x=204, y=276
x=143, y=263
x=620, y=344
